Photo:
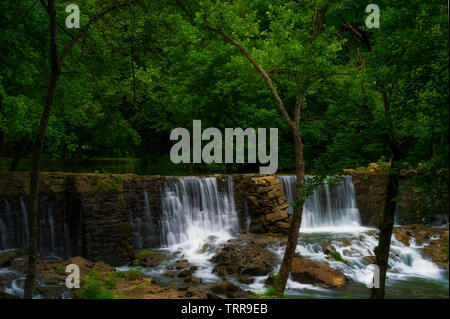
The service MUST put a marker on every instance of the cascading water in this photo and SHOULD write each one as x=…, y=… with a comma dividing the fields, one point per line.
x=193, y=208
x=145, y=234
x=327, y=207
x=13, y=226
x=59, y=235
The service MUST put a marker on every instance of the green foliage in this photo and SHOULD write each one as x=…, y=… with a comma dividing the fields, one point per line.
x=148, y=252
x=336, y=256
x=131, y=274
x=92, y=287
x=146, y=70
x=60, y=271
x=270, y=293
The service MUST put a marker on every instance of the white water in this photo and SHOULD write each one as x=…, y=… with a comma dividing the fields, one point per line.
x=193, y=209
x=328, y=208
x=56, y=234
x=195, y=212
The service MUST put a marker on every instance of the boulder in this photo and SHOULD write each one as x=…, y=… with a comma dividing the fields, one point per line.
x=312, y=272
x=228, y=289
x=179, y=264
x=7, y=258
x=184, y=273
x=244, y=256
x=246, y=280
x=149, y=258
x=402, y=237
x=436, y=253
x=193, y=280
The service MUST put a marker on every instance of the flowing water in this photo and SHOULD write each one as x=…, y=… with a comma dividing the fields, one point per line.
x=57, y=238
x=200, y=211
x=196, y=213
x=327, y=207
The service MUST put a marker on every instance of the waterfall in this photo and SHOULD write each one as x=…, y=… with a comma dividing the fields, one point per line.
x=145, y=234
x=3, y=235
x=193, y=207
x=13, y=226
x=59, y=233
x=23, y=209
x=327, y=206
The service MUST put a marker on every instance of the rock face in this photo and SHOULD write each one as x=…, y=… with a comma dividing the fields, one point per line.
x=91, y=214
x=244, y=256
x=312, y=272
x=94, y=215
x=370, y=192
x=262, y=199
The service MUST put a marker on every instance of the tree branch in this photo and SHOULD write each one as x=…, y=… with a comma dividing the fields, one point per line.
x=263, y=73
x=318, y=26
x=298, y=106
x=93, y=20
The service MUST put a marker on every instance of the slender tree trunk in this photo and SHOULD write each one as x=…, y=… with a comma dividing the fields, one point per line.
x=285, y=268
x=386, y=224
x=37, y=154
x=56, y=63
x=20, y=151
x=294, y=125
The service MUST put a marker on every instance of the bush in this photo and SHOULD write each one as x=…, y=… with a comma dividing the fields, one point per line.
x=270, y=293
x=92, y=287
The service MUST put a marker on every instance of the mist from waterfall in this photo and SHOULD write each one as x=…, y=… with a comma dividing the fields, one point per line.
x=328, y=207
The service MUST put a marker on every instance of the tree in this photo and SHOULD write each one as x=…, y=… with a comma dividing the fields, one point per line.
x=395, y=71
x=56, y=62
x=301, y=61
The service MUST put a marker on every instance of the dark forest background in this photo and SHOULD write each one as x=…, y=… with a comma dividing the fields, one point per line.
x=146, y=69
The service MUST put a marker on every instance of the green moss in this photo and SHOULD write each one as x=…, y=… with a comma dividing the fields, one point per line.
x=336, y=256
x=131, y=274
x=148, y=252
x=60, y=271
x=106, y=183
x=21, y=251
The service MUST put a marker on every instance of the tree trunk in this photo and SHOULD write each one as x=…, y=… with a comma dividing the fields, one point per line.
x=285, y=268
x=386, y=224
x=56, y=63
x=37, y=154
x=20, y=151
